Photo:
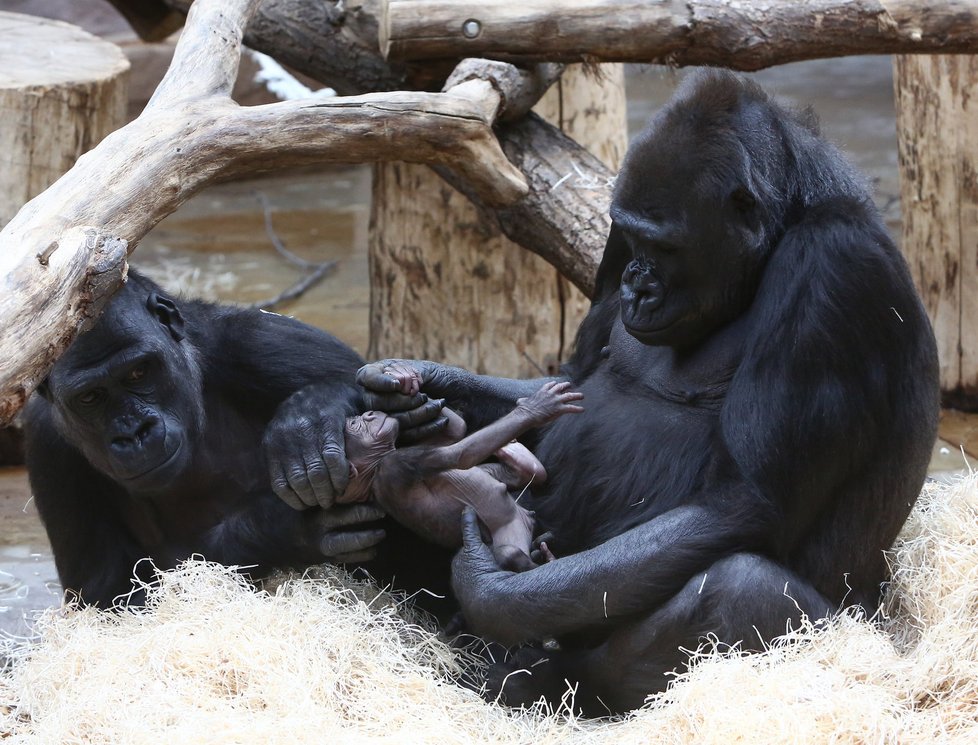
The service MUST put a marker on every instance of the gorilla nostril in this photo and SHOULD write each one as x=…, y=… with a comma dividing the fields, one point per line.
x=640, y=276
x=146, y=428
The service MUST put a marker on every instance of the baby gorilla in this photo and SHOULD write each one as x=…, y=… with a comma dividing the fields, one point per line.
x=425, y=486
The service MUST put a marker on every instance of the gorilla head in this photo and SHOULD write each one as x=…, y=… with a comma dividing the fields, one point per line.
x=128, y=393
x=704, y=195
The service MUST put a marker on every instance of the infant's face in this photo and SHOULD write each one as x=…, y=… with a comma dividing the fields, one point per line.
x=372, y=427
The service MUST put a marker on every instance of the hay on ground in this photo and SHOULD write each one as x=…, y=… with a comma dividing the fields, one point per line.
x=326, y=660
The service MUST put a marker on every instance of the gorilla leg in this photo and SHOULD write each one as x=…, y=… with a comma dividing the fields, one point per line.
x=743, y=598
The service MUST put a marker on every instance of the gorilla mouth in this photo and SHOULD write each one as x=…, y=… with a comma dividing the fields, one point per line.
x=642, y=294
x=156, y=469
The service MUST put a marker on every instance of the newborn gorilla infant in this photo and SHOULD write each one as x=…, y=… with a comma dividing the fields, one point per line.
x=425, y=486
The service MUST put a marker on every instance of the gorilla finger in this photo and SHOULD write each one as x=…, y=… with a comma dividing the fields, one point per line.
x=372, y=377
x=472, y=539
x=299, y=482
x=348, y=542
x=423, y=414
x=423, y=432
x=354, y=514
x=339, y=472
x=280, y=486
x=317, y=472
x=392, y=403
x=476, y=557
x=356, y=557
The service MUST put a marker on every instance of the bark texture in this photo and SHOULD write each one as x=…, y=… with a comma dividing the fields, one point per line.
x=52, y=112
x=730, y=33
x=64, y=253
x=937, y=128
x=447, y=283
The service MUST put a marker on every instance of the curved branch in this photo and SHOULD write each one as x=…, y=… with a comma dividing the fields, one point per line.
x=55, y=273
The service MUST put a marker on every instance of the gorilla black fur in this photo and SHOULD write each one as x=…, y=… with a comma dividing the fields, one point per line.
x=167, y=429
x=761, y=397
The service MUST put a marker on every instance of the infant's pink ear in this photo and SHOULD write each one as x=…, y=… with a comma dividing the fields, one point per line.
x=353, y=472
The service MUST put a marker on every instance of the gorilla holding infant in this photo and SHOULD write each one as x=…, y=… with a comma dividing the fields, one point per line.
x=760, y=403
x=760, y=387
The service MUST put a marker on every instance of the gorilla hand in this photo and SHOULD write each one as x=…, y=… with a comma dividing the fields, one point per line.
x=305, y=451
x=328, y=534
x=394, y=387
x=481, y=586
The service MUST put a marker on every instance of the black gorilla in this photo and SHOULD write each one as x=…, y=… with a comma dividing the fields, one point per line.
x=166, y=431
x=761, y=399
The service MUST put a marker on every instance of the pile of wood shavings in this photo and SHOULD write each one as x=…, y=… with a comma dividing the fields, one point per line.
x=325, y=659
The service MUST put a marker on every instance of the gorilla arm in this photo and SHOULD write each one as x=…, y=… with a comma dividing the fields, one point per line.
x=306, y=377
x=270, y=534
x=631, y=573
x=479, y=399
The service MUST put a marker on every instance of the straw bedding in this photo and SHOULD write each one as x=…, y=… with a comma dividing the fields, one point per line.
x=324, y=659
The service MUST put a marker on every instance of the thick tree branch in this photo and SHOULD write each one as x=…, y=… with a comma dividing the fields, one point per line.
x=733, y=33
x=564, y=216
x=64, y=253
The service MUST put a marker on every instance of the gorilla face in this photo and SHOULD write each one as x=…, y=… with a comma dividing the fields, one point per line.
x=686, y=206
x=128, y=395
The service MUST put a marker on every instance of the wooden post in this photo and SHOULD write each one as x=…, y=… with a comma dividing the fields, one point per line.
x=61, y=91
x=937, y=129
x=50, y=113
x=447, y=285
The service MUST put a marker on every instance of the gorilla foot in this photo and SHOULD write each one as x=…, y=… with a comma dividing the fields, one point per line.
x=529, y=675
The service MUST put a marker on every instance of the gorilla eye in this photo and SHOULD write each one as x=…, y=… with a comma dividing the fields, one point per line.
x=90, y=397
x=137, y=373
x=742, y=199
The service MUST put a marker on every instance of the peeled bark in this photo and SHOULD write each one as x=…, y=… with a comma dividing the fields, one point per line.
x=729, y=33
x=64, y=253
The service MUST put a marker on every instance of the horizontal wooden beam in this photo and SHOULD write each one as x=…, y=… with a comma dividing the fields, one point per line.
x=731, y=33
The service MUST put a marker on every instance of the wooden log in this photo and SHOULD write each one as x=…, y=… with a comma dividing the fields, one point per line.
x=446, y=282
x=153, y=20
x=937, y=132
x=558, y=224
x=55, y=111
x=332, y=41
x=729, y=33
x=52, y=113
x=64, y=253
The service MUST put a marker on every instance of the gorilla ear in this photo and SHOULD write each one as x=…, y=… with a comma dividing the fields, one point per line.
x=167, y=313
x=743, y=199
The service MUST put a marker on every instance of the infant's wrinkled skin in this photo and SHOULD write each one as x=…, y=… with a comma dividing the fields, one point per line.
x=426, y=486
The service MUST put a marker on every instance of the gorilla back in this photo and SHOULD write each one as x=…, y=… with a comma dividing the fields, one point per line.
x=151, y=437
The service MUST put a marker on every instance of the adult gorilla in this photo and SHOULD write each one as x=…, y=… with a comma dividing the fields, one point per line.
x=760, y=394
x=166, y=431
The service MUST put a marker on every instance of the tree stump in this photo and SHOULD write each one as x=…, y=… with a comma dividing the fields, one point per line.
x=61, y=91
x=937, y=130
x=446, y=285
